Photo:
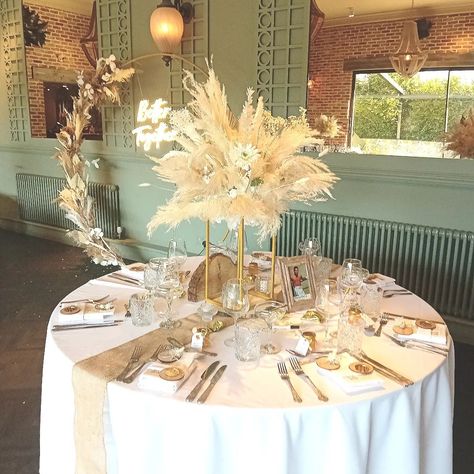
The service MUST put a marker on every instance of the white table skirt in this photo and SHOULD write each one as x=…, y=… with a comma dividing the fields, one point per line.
x=250, y=423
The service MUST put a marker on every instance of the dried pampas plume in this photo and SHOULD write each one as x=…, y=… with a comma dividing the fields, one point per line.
x=233, y=168
x=326, y=126
x=461, y=139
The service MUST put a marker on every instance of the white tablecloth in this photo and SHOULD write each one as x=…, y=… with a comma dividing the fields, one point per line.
x=250, y=423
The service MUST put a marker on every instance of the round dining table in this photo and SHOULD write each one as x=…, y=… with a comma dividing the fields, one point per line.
x=250, y=422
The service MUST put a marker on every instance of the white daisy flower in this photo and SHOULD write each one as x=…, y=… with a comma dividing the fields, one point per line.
x=244, y=155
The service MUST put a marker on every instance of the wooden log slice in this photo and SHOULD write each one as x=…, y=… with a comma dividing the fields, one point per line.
x=221, y=269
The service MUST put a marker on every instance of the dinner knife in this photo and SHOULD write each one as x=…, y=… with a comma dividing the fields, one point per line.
x=204, y=376
x=212, y=384
x=67, y=327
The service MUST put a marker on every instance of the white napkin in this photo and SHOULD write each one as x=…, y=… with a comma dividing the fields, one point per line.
x=150, y=380
x=382, y=281
x=438, y=335
x=351, y=382
x=88, y=313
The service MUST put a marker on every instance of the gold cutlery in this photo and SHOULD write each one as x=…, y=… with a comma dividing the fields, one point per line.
x=411, y=317
x=134, y=358
x=67, y=327
x=378, y=365
x=383, y=322
x=409, y=344
x=85, y=300
x=295, y=365
x=285, y=377
x=204, y=376
x=134, y=371
x=130, y=281
x=212, y=384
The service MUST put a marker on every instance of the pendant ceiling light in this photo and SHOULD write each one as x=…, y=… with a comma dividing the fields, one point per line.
x=89, y=42
x=167, y=25
x=409, y=59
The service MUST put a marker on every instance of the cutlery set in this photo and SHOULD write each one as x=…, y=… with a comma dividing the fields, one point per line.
x=204, y=376
x=295, y=365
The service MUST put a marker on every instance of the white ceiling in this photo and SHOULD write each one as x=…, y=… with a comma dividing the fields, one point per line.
x=337, y=11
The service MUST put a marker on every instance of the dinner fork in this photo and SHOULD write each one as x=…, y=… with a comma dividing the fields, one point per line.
x=134, y=371
x=383, y=322
x=284, y=376
x=295, y=365
x=85, y=300
x=134, y=358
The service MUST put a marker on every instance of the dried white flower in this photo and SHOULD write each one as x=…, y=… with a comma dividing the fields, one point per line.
x=96, y=233
x=243, y=155
x=232, y=192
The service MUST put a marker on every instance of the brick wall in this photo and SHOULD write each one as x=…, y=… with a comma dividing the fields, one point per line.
x=330, y=92
x=61, y=50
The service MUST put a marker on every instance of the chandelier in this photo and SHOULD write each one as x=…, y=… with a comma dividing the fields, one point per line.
x=409, y=59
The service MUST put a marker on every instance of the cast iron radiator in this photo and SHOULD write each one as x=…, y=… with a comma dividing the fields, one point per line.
x=436, y=264
x=36, y=195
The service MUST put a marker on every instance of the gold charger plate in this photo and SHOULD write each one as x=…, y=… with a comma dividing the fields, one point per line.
x=327, y=364
x=425, y=324
x=362, y=368
x=70, y=309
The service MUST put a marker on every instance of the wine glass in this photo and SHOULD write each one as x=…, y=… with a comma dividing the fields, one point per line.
x=167, y=285
x=351, y=263
x=310, y=246
x=177, y=251
x=270, y=311
x=329, y=302
x=235, y=301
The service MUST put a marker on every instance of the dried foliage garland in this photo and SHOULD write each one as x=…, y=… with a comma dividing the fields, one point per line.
x=99, y=88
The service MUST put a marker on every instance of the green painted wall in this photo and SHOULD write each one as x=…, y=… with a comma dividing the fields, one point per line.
x=416, y=190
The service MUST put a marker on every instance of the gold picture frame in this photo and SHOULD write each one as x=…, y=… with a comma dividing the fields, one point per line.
x=297, y=282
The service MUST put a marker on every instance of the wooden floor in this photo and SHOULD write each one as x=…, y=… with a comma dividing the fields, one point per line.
x=34, y=275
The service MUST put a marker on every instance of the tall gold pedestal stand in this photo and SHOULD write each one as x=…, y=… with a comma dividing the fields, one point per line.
x=240, y=264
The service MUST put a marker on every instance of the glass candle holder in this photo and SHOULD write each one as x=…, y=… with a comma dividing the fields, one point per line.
x=142, y=309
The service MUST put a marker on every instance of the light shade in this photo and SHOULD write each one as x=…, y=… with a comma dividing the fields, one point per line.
x=409, y=59
x=167, y=27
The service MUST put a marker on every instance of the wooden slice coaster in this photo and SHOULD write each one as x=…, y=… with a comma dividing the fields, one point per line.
x=172, y=373
x=425, y=324
x=361, y=368
x=71, y=309
x=327, y=364
x=403, y=330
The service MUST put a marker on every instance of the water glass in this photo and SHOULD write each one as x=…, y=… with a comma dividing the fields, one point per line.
x=142, y=309
x=270, y=312
x=322, y=268
x=371, y=301
x=248, y=336
x=350, y=334
x=162, y=279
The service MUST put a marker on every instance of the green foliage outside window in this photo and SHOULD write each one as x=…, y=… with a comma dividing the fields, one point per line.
x=388, y=106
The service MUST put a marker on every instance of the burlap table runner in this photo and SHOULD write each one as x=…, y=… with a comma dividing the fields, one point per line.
x=90, y=378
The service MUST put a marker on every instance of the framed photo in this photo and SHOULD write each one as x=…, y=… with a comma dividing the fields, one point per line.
x=297, y=282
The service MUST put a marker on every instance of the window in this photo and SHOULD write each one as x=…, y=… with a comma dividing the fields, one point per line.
x=394, y=115
x=58, y=103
